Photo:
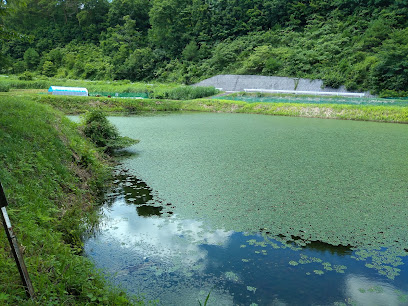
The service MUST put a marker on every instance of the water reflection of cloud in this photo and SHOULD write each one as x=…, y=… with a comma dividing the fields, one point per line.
x=364, y=291
x=166, y=239
x=186, y=296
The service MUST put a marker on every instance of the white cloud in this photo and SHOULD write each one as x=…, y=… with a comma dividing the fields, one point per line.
x=365, y=291
x=166, y=239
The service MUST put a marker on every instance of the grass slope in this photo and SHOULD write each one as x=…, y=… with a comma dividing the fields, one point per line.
x=50, y=174
x=380, y=113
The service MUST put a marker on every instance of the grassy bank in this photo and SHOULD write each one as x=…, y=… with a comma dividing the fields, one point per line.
x=380, y=113
x=51, y=175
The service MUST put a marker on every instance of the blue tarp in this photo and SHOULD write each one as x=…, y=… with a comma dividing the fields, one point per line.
x=68, y=91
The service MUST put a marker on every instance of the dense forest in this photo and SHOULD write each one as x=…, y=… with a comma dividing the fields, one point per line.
x=360, y=44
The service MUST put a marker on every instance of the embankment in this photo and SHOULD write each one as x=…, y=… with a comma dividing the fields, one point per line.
x=379, y=113
x=51, y=176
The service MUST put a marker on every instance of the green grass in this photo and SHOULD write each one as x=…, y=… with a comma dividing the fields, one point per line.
x=153, y=90
x=327, y=111
x=78, y=105
x=51, y=175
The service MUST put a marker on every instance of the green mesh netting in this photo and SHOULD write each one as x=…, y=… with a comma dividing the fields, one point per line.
x=316, y=100
x=135, y=95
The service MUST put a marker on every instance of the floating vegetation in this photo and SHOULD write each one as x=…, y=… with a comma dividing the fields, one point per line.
x=334, y=204
x=231, y=276
x=339, y=268
x=402, y=297
x=327, y=266
x=326, y=194
x=385, y=261
x=252, y=289
x=304, y=259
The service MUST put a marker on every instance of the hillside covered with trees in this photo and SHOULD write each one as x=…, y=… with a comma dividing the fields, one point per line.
x=361, y=44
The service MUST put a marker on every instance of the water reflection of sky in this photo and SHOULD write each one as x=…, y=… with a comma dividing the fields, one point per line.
x=179, y=261
x=168, y=239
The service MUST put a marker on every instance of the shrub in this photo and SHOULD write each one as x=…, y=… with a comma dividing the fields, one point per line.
x=4, y=87
x=256, y=62
x=18, y=67
x=26, y=76
x=332, y=81
x=351, y=85
x=104, y=134
x=391, y=72
x=186, y=93
x=272, y=65
x=30, y=84
x=387, y=93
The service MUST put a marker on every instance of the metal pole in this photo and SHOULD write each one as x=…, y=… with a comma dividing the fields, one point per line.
x=18, y=257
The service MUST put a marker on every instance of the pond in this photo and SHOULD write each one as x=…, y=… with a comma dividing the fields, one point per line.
x=258, y=210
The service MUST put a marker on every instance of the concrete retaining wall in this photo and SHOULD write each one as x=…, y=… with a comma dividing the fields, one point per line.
x=229, y=82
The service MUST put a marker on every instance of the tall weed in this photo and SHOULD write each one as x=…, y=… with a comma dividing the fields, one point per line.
x=185, y=93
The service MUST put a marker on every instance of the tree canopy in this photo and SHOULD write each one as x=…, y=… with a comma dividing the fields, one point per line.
x=361, y=44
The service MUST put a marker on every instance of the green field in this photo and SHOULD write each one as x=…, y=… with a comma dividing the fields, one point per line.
x=112, y=88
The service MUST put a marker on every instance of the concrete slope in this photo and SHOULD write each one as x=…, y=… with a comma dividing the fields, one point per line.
x=230, y=82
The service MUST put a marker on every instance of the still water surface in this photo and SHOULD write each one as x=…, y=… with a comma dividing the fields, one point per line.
x=258, y=210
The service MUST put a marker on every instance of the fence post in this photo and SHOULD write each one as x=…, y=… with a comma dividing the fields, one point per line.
x=18, y=257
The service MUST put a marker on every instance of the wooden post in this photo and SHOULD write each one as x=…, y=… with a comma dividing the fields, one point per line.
x=18, y=257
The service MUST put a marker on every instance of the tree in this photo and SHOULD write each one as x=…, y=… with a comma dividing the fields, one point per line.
x=137, y=10
x=31, y=59
x=7, y=7
x=170, y=25
x=190, y=52
x=139, y=66
x=92, y=18
x=49, y=69
x=392, y=70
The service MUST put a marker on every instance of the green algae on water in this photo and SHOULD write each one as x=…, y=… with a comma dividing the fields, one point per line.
x=231, y=276
x=338, y=182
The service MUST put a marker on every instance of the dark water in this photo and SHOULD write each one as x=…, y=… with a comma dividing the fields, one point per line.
x=241, y=206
